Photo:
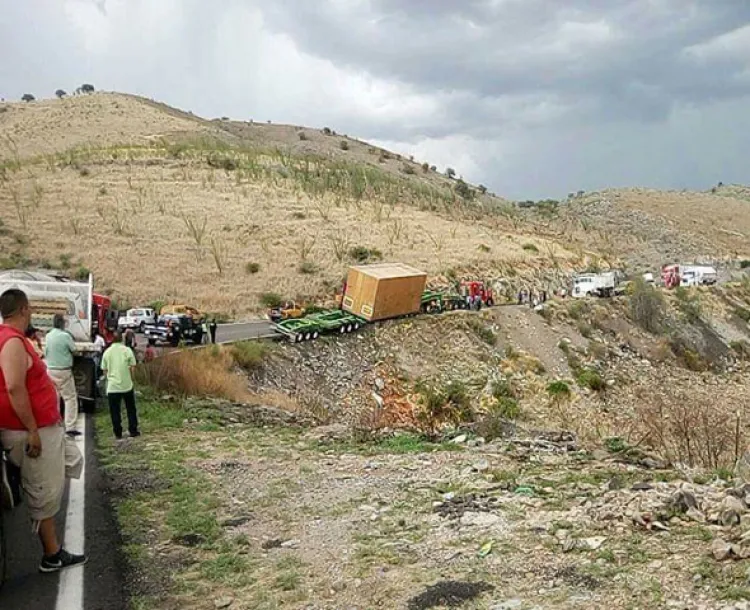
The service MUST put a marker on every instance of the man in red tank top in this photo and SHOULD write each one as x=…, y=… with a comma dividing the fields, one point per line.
x=31, y=429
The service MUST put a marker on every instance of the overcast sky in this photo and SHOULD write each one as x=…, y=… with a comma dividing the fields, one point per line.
x=533, y=98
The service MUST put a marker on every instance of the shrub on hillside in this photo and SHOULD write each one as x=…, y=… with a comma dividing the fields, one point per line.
x=27, y=97
x=425, y=167
x=450, y=172
x=60, y=93
x=407, y=169
x=252, y=268
x=507, y=408
x=744, y=264
x=308, y=268
x=483, y=332
x=589, y=378
x=440, y=405
x=463, y=190
x=361, y=254
x=529, y=247
x=82, y=273
x=249, y=355
x=647, y=307
x=327, y=131
x=270, y=299
x=742, y=313
x=559, y=390
x=689, y=304
x=344, y=145
x=302, y=135
x=221, y=162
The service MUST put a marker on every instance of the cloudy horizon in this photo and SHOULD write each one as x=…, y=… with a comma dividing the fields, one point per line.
x=533, y=98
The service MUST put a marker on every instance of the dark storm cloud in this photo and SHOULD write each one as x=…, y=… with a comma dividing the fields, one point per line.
x=624, y=59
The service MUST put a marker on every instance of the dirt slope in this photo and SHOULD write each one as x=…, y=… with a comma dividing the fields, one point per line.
x=161, y=205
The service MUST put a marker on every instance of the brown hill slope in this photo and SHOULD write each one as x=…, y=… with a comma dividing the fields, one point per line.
x=163, y=205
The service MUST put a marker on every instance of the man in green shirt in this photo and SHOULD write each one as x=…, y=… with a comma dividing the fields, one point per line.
x=118, y=364
x=59, y=348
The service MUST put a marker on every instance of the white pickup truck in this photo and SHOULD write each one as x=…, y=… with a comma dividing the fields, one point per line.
x=137, y=319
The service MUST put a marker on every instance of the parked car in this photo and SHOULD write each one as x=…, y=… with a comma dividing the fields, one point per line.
x=137, y=319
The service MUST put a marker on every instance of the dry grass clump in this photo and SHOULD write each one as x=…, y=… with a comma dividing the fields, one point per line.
x=202, y=372
x=693, y=431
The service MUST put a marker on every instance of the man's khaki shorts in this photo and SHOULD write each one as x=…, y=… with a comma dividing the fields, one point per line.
x=43, y=477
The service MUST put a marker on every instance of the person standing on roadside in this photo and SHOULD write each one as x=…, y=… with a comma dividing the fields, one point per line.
x=118, y=365
x=58, y=352
x=99, y=345
x=212, y=329
x=31, y=430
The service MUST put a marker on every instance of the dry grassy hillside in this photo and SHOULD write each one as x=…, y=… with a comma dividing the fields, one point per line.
x=647, y=228
x=162, y=205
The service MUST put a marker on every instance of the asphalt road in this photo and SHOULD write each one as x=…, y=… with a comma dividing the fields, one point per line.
x=101, y=586
x=243, y=330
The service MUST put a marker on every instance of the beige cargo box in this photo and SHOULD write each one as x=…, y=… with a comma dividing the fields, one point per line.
x=385, y=290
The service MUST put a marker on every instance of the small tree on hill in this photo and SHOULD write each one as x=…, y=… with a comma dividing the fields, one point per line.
x=450, y=172
x=86, y=88
x=27, y=97
x=60, y=93
x=463, y=190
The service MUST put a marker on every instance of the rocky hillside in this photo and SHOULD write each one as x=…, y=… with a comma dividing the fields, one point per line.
x=645, y=228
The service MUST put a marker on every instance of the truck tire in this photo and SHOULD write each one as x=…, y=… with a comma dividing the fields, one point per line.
x=141, y=327
x=315, y=335
x=152, y=342
x=342, y=329
x=348, y=328
x=307, y=336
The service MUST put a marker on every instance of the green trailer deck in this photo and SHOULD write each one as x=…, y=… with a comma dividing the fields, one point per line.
x=311, y=326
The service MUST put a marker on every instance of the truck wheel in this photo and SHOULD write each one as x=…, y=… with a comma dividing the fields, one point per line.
x=356, y=326
x=141, y=327
x=315, y=335
x=307, y=336
x=152, y=341
x=348, y=328
x=298, y=338
x=342, y=329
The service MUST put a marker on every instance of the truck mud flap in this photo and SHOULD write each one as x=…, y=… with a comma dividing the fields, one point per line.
x=84, y=372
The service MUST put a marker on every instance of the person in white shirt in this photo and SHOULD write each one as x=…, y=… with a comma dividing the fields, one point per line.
x=99, y=344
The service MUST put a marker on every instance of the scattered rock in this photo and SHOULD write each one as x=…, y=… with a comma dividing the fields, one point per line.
x=461, y=438
x=290, y=544
x=682, y=501
x=733, y=503
x=508, y=604
x=594, y=542
x=223, y=602
x=481, y=466
x=642, y=486
x=720, y=549
x=190, y=539
x=236, y=521
x=274, y=543
x=695, y=515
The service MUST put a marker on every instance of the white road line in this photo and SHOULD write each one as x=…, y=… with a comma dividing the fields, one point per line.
x=70, y=591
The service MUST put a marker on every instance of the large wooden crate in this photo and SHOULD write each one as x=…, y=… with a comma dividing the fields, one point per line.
x=385, y=290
